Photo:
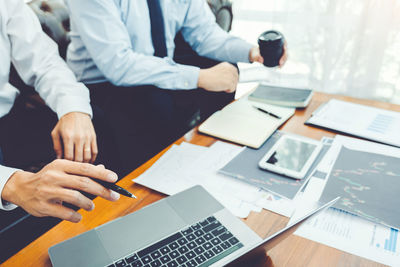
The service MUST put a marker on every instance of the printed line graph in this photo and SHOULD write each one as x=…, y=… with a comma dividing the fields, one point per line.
x=368, y=184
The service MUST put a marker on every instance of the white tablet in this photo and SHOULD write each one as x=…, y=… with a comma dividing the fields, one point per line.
x=291, y=156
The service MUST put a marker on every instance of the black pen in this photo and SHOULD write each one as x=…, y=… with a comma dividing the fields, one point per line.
x=115, y=188
x=269, y=113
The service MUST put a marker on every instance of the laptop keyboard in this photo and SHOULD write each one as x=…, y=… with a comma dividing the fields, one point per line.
x=201, y=244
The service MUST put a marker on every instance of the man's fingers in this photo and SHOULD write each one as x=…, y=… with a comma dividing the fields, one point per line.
x=87, y=152
x=231, y=88
x=94, y=150
x=282, y=61
x=59, y=211
x=68, y=148
x=57, y=143
x=255, y=55
x=75, y=198
x=234, y=77
x=88, y=185
x=284, y=57
x=89, y=170
x=78, y=149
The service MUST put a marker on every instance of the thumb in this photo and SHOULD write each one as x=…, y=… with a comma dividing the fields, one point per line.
x=259, y=59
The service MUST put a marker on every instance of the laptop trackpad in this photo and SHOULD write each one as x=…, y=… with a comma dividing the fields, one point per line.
x=86, y=249
x=139, y=229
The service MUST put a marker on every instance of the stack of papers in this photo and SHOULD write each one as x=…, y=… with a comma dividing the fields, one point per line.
x=352, y=232
x=187, y=165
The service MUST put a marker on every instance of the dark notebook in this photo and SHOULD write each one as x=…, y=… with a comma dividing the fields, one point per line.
x=282, y=96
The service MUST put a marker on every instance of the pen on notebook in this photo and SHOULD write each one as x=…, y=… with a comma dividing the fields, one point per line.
x=267, y=112
x=116, y=188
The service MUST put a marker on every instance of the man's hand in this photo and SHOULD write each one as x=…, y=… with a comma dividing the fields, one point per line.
x=74, y=138
x=221, y=77
x=43, y=193
x=255, y=56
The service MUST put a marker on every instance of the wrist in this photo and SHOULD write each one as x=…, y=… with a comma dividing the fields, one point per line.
x=252, y=53
x=10, y=189
x=75, y=113
x=200, y=81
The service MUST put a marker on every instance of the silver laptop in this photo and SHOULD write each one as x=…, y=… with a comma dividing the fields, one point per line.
x=190, y=228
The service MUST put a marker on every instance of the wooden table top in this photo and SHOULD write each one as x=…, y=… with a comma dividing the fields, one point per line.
x=294, y=251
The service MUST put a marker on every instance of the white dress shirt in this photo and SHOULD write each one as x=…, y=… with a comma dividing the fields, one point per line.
x=111, y=41
x=35, y=57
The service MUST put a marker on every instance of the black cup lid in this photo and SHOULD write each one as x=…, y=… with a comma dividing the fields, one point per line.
x=270, y=36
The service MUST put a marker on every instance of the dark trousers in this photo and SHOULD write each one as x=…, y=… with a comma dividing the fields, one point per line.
x=25, y=135
x=26, y=143
x=145, y=119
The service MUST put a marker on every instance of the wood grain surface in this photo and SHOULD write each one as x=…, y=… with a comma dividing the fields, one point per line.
x=294, y=251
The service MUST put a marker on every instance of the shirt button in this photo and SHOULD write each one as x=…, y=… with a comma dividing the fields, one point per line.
x=186, y=84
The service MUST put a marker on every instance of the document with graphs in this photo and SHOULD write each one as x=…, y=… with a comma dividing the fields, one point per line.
x=366, y=176
x=352, y=234
x=352, y=231
x=359, y=120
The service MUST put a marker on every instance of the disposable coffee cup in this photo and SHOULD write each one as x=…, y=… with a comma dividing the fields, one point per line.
x=271, y=47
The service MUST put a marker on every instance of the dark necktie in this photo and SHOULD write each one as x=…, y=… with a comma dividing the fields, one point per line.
x=157, y=28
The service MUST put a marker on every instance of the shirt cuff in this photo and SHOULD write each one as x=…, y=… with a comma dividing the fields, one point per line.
x=67, y=104
x=188, y=78
x=5, y=174
x=241, y=52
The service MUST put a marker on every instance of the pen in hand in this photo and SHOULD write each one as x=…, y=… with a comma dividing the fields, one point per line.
x=115, y=188
x=267, y=112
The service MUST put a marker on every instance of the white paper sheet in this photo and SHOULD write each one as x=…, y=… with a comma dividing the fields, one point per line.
x=354, y=235
x=162, y=176
x=277, y=204
x=368, y=122
x=187, y=165
x=344, y=231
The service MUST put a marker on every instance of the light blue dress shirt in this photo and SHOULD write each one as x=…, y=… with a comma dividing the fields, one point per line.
x=36, y=59
x=111, y=41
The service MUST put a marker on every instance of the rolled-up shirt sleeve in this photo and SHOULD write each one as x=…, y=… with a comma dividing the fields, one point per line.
x=208, y=39
x=36, y=59
x=107, y=40
x=5, y=174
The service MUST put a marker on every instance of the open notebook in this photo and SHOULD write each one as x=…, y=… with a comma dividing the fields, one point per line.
x=240, y=122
